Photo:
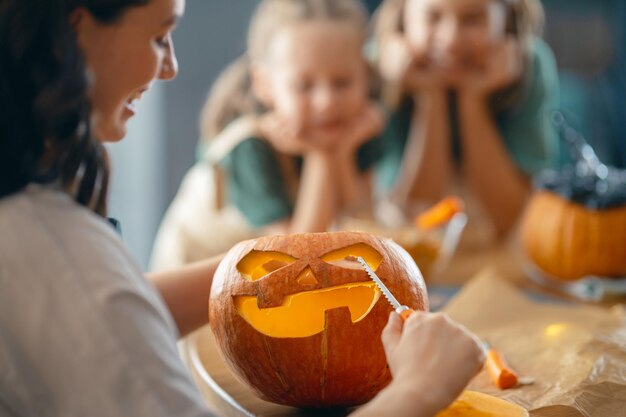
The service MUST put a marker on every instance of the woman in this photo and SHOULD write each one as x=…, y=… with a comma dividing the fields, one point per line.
x=471, y=88
x=81, y=331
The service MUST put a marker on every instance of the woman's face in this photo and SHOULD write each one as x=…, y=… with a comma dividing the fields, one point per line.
x=316, y=75
x=124, y=58
x=454, y=34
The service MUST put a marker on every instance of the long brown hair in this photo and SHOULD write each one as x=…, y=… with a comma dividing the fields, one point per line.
x=45, y=132
x=524, y=21
x=232, y=95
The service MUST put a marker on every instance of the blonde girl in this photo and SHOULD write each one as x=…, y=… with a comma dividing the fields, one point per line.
x=471, y=88
x=288, y=130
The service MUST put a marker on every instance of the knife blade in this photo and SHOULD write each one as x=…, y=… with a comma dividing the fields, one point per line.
x=402, y=310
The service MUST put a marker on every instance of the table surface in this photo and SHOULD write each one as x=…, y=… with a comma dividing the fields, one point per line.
x=228, y=397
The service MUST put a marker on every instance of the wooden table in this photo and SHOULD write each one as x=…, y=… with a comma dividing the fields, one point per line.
x=230, y=398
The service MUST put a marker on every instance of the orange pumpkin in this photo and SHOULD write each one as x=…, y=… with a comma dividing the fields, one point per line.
x=570, y=241
x=299, y=321
x=575, y=224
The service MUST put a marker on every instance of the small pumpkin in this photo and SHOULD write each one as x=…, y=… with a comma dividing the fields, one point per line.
x=570, y=241
x=575, y=224
x=299, y=321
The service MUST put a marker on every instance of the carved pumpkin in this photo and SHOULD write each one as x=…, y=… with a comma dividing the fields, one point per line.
x=299, y=321
x=575, y=224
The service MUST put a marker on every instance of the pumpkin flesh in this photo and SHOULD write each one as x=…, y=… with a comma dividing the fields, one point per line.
x=476, y=404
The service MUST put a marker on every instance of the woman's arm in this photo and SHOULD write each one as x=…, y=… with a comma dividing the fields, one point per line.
x=186, y=293
x=426, y=170
x=397, y=400
x=490, y=171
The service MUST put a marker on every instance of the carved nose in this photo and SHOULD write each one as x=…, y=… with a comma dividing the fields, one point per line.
x=307, y=277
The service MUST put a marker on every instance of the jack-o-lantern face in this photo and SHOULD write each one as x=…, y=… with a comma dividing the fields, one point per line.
x=299, y=320
x=302, y=314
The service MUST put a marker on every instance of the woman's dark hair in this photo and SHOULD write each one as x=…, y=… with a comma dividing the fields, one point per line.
x=45, y=133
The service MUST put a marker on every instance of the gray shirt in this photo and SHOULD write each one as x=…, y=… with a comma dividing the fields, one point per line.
x=82, y=333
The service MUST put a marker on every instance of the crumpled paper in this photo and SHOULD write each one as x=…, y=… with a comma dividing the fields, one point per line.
x=575, y=352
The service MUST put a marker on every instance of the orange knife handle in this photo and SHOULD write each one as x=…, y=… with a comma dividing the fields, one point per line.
x=405, y=312
x=440, y=213
x=501, y=374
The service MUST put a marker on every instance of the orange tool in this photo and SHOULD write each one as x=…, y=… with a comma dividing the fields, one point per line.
x=500, y=372
x=402, y=310
x=440, y=213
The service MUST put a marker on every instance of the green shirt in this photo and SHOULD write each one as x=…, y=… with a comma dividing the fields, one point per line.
x=256, y=185
x=526, y=129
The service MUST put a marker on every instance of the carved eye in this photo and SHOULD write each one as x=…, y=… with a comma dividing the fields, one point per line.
x=346, y=257
x=257, y=264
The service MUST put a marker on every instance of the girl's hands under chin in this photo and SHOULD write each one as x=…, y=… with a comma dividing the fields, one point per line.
x=290, y=138
x=348, y=136
x=283, y=134
x=365, y=126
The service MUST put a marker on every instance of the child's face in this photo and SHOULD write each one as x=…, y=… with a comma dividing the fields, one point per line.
x=454, y=35
x=124, y=59
x=315, y=74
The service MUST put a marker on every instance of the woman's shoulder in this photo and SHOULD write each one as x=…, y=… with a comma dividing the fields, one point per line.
x=40, y=210
x=544, y=62
x=53, y=248
x=68, y=284
x=44, y=208
x=42, y=228
x=541, y=83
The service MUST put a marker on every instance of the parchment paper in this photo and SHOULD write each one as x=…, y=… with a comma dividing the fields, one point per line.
x=575, y=352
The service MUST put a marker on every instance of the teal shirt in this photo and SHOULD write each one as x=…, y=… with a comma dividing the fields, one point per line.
x=256, y=185
x=526, y=129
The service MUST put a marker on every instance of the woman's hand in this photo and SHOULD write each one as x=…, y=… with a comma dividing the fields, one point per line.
x=395, y=58
x=402, y=65
x=431, y=356
x=504, y=67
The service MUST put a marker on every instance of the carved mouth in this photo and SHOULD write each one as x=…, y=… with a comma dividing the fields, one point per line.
x=303, y=314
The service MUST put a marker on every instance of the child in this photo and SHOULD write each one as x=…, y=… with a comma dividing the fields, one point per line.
x=288, y=134
x=470, y=86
